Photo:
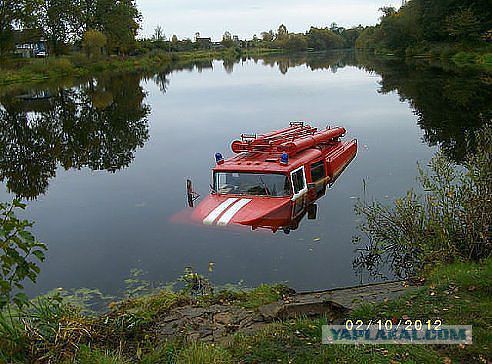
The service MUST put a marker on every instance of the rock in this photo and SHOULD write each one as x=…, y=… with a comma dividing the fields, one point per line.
x=270, y=311
x=224, y=318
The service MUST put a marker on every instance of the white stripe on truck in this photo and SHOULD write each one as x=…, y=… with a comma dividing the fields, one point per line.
x=218, y=210
x=233, y=210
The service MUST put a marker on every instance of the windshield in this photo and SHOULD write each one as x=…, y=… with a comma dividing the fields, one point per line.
x=260, y=184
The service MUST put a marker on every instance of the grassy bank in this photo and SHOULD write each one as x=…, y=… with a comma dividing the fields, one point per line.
x=78, y=65
x=464, y=57
x=479, y=58
x=458, y=293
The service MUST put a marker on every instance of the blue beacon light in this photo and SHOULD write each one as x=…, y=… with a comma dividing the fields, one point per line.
x=284, y=158
x=219, y=159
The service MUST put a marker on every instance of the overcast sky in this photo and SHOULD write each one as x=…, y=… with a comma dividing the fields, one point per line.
x=213, y=17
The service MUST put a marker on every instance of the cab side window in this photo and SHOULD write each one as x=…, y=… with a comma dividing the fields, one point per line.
x=298, y=180
x=318, y=171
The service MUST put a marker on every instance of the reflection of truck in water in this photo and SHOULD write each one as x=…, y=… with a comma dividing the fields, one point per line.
x=275, y=178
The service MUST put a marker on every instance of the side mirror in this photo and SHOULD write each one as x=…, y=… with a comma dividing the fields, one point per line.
x=191, y=195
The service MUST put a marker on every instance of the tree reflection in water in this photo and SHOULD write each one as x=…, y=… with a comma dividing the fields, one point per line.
x=450, y=104
x=101, y=123
x=98, y=124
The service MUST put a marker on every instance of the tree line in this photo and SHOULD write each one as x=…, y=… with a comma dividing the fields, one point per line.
x=421, y=23
x=109, y=24
x=332, y=37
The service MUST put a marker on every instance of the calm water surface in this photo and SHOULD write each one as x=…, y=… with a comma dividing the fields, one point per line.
x=105, y=163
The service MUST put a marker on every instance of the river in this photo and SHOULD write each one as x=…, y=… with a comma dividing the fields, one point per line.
x=103, y=161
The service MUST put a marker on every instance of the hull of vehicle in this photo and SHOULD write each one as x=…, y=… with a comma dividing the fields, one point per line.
x=276, y=213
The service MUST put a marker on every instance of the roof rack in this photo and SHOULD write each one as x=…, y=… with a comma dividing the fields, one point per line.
x=292, y=139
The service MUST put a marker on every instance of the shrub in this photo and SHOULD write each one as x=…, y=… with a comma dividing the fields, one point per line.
x=19, y=251
x=93, y=43
x=450, y=221
x=61, y=65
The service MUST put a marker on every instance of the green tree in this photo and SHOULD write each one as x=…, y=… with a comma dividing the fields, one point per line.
x=93, y=43
x=423, y=22
x=120, y=21
x=387, y=11
x=10, y=15
x=336, y=29
x=321, y=39
x=19, y=251
x=351, y=35
x=296, y=42
x=463, y=25
x=227, y=40
x=267, y=36
x=59, y=20
x=282, y=33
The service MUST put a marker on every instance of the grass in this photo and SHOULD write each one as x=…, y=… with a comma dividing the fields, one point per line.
x=147, y=307
x=86, y=355
x=247, y=298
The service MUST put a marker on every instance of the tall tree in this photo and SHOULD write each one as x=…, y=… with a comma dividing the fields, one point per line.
x=59, y=20
x=159, y=35
x=10, y=15
x=93, y=43
x=282, y=32
x=267, y=36
x=120, y=21
x=463, y=25
x=227, y=40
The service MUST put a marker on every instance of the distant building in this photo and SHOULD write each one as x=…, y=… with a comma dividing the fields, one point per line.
x=205, y=43
x=235, y=38
x=30, y=43
x=217, y=45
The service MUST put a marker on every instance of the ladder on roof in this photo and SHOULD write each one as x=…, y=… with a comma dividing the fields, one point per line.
x=296, y=130
x=273, y=141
